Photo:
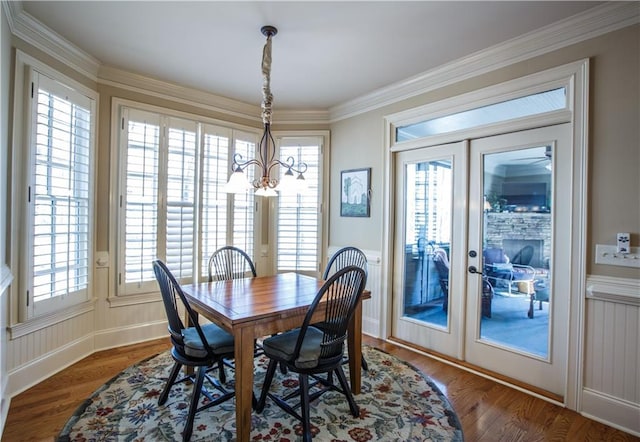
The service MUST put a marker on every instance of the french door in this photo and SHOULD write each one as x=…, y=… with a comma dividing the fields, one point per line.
x=431, y=189
x=482, y=232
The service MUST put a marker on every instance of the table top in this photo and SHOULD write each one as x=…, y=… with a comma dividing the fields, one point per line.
x=250, y=299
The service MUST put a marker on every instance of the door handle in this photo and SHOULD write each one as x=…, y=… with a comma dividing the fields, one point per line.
x=473, y=269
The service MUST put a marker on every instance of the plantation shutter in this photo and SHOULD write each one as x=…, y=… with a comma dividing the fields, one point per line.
x=60, y=195
x=298, y=223
x=180, y=197
x=140, y=199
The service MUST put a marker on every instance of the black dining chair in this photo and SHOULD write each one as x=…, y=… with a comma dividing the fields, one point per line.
x=230, y=262
x=347, y=256
x=311, y=351
x=202, y=347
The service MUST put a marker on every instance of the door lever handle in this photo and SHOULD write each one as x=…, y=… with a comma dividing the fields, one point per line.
x=473, y=269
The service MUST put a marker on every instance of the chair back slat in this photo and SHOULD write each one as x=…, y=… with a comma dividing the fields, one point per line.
x=338, y=298
x=172, y=297
x=346, y=256
x=230, y=262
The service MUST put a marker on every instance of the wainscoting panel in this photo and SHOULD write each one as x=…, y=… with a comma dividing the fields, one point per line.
x=611, y=386
x=371, y=308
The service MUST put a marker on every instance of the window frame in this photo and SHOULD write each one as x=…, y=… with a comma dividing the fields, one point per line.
x=118, y=296
x=28, y=315
x=322, y=137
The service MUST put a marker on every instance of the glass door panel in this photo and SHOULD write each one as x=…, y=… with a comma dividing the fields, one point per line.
x=429, y=247
x=428, y=190
x=517, y=248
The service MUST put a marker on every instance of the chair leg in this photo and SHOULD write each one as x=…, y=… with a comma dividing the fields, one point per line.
x=222, y=376
x=268, y=378
x=355, y=411
x=167, y=387
x=364, y=364
x=193, y=406
x=304, y=407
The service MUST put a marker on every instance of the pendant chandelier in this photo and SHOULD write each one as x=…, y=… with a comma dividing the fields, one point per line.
x=267, y=184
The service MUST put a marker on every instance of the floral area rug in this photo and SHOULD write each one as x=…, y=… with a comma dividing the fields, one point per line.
x=397, y=403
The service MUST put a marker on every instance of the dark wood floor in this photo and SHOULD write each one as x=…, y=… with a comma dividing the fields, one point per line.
x=488, y=411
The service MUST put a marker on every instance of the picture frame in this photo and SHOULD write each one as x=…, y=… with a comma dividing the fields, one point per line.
x=355, y=192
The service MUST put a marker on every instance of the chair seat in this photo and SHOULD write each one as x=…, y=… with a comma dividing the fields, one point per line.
x=218, y=339
x=282, y=347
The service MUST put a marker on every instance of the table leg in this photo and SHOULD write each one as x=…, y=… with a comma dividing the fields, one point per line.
x=244, y=337
x=354, y=345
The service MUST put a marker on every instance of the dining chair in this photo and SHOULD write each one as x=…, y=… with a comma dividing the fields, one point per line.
x=198, y=346
x=311, y=351
x=342, y=258
x=230, y=262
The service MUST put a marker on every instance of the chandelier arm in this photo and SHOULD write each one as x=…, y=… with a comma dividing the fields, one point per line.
x=238, y=163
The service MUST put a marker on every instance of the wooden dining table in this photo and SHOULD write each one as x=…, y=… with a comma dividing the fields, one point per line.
x=251, y=308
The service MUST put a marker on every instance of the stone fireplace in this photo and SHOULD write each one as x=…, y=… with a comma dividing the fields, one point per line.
x=514, y=230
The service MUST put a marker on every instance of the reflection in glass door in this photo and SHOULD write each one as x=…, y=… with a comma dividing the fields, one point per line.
x=517, y=245
x=428, y=239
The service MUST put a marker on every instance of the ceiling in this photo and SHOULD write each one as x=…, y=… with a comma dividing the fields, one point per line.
x=325, y=53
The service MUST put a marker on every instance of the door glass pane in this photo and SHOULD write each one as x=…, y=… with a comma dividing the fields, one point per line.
x=428, y=189
x=517, y=248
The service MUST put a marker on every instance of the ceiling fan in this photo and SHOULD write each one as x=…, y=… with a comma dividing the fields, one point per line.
x=546, y=157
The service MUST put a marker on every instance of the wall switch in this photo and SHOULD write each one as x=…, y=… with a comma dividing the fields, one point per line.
x=608, y=254
x=623, y=243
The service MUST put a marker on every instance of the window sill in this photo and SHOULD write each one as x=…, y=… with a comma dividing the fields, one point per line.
x=143, y=298
x=35, y=324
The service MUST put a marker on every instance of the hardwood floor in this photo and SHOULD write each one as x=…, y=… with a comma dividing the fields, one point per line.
x=487, y=410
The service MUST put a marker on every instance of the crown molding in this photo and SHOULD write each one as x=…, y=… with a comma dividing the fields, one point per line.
x=130, y=81
x=43, y=38
x=122, y=79
x=600, y=20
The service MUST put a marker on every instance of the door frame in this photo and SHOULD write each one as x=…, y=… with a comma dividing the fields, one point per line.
x=575, y=78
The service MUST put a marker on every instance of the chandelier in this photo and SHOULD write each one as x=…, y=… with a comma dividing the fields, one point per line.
x=266, y=185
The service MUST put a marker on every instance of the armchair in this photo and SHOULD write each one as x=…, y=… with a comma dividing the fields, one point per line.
x=518, y=279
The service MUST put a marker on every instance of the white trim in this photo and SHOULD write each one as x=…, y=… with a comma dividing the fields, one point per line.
x=43, y=367
x=619, y=290
x=34, y=32
x=133, y=334
x=119, y=78
x=611, y=411
x=590, y=24
x=597, y=21
x=38, y=323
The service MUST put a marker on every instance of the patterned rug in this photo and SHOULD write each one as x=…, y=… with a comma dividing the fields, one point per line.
x=397, y=403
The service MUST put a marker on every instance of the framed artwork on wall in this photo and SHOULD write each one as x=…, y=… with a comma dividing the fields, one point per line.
x=355, y=192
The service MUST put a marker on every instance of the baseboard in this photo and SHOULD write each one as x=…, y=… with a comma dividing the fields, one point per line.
x=37, y=370
x=117, y=337
x=611, y=411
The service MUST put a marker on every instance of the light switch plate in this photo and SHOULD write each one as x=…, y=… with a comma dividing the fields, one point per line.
x=607, y=254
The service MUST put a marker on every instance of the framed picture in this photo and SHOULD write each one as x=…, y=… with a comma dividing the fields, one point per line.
x=355, y=192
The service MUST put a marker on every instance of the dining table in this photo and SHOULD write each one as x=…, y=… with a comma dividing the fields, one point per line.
x=251, y=308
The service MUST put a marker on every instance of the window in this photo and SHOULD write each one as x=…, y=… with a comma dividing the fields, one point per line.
x=59, y=195
x=534, y=104
x=298, y=218
x=172, y=203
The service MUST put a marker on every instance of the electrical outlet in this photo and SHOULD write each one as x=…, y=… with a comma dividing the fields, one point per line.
x=623, y=243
